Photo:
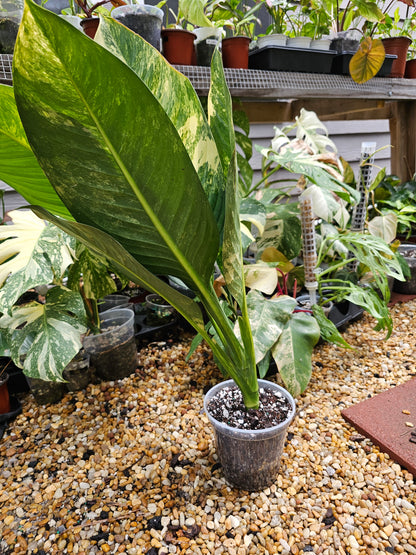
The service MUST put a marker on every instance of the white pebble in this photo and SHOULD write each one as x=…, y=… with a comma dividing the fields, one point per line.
x=234, y=521
x=152, y=508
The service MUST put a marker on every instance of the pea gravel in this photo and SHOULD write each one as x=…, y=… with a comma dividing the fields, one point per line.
x=130, y=467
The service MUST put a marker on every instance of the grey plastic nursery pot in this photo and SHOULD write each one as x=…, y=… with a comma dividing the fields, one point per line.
x=250, y=459
x=407, y=287
x=77, y=373
x=113, y=352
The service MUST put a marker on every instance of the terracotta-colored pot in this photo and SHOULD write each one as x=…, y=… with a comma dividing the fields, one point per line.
x=397, y=46
x=410, y=72
x=235, y=52
x=4, y=394
x=178, y=46
x=90, y=25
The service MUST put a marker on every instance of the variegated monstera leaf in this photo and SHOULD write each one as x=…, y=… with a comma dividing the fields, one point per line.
x=44, y=338
x=32, y=253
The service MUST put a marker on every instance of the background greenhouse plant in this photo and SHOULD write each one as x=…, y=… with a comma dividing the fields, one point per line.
x=330, y=183
x=151, y=185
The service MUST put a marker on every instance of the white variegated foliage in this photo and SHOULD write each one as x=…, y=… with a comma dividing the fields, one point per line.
x=32, y=253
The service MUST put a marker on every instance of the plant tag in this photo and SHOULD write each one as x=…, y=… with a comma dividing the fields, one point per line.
x=212, y=42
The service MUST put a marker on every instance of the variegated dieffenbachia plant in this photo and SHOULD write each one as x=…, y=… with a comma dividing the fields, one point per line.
x=149, y=181
x=43, y=337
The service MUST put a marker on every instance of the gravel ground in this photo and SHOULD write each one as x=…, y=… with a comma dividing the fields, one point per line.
x=131, y=467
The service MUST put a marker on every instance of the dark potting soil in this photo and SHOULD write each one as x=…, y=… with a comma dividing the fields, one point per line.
x=227, y=407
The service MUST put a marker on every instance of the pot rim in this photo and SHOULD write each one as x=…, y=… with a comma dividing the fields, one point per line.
x=244, y=433
x=4, y=378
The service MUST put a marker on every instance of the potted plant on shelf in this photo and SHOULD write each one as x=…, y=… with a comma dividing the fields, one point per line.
x=383, y=35
x=238, y=20
x=208, y=33
x=90, y=20
x=172, y=225
x=178, y=38
x=279, y=11
x=410, y=71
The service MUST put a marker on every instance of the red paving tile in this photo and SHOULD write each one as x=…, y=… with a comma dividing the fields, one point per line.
x=400, y=298
x=381, y=418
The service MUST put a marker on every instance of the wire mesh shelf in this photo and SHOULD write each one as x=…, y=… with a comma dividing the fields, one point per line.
x=6, y=68
x=255, y=83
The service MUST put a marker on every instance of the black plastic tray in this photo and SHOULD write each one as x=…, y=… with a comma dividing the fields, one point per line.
x=345, y=313
x=145, y=333
x=341, y=64
x=286, y=58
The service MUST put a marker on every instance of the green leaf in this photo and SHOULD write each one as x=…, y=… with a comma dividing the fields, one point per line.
x=369, y=299
x=193, y=11
x=178, y=98
x=293, y=351
x=48, y=334
x=241, y=120
x=18, y=166
x=32, y=254
x=245, y=174
x=328, y=329
x=102, y=156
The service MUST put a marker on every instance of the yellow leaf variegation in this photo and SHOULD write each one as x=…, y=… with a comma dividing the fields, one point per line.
x=367, y=61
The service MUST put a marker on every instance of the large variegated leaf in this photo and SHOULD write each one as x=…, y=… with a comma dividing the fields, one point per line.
x=179, y=100
x=296, y=158
x=31, y=254
x=48, y=334
x=95, y=273
x=313, y=132
x=18, y=166
x=232, y=253
x=268, y=318
x=293, y=351
x=105, y=246
x=109, y=149
x=220, y=113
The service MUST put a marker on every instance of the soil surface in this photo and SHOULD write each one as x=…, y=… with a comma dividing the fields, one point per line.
x=227, y=406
